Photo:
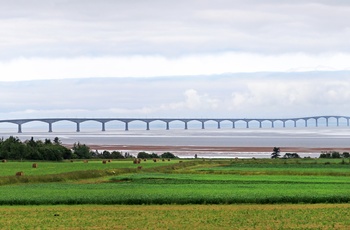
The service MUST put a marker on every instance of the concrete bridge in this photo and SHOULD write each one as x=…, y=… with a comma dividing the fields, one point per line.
x=305, y=121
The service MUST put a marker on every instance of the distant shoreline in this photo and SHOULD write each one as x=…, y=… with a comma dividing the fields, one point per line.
x=213, y=148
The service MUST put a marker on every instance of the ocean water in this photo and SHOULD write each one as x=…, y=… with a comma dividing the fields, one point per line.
x=322, y=137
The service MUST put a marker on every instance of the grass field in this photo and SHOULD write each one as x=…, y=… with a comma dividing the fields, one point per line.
x=286, y=216
x=245, y=194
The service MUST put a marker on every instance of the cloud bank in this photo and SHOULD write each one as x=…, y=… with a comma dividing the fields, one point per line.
x=223, y=96
x=55, y=39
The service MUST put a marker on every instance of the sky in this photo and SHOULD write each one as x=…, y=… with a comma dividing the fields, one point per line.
x=184, y=58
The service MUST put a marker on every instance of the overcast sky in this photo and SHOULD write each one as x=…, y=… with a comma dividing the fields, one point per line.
x=174, y=58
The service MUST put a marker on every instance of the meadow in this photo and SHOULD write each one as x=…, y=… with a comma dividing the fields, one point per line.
x=282, y=216
x=266, y=193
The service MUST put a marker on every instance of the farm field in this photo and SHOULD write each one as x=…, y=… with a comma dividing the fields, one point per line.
x=282, y=216
x=248, y=194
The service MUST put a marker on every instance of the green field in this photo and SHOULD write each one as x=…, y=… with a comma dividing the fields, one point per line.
x=286, y=216
x=282, y=191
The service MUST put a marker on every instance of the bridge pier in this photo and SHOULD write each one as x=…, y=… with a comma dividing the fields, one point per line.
x=295, y=123
x=327, y=121
x=337, y=122
x=260, y=124
x=316, y=122
x=284, y=124
x=186, y=125
x=147, y=125
x=219, y=126
x=347, y=122
x=167, y=125
x=103, y=126
x=305, y=123
x=50, y=127
x=126, y=126
x=247, y=124
x=203, y=125
x=272, y=124
x=19, y=128
x=78, y=127
x=233, y=125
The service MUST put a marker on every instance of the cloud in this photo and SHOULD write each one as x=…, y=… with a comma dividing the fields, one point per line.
x=69, y=29
x=151, y=66
x=227, y=95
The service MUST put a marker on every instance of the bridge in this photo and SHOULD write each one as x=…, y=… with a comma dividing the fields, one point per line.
x=304, y=120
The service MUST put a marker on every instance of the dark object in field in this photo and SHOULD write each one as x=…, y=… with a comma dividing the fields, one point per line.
x=104, y=162
x=4, y=161
x=71, y=161
x=19, y=173
x=168, y=159
x=154, y=160
x=109, y=161
x=35, y=165
x=86, y=161
x=56, y=214
x=137, y=161
x=163, y=159
x=139, y=167
x=180, y=161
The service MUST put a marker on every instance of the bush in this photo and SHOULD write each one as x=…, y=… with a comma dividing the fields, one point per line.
x=168, y=155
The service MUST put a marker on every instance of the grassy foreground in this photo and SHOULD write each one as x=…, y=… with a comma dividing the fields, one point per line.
x=243, y=194
x=301, y=216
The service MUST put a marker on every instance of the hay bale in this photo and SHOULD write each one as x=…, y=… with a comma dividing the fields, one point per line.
x=104, y=162
x=168, y=159
x=145, y=159
x=154, y=160
x=71, y=161
x=180, y=161
x=19, y=173
x=86, y=161
x=139, y=161
x=135, y=161
x=163, y=159
x=4, y=161
x=35, y=165
x=109, y=161
x=139, y=167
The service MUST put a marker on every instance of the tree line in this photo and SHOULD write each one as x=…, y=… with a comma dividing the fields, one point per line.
x=13, y=148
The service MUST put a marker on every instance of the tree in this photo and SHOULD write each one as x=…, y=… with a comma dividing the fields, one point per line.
x=117, y=155
x=168, y=155
x=82, y=151
x=275, y=153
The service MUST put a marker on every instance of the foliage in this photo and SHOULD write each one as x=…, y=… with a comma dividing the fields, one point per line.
x=109, y=155
x=81, y=151
x=291, y=155
x=13, y=149
x=275, y=153
x=168, y=155
x=334, y=154
x=145, y=155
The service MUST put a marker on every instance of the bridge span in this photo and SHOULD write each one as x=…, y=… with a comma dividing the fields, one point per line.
x=304, y=121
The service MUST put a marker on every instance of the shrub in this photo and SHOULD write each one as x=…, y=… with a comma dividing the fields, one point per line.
x=168, y=155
